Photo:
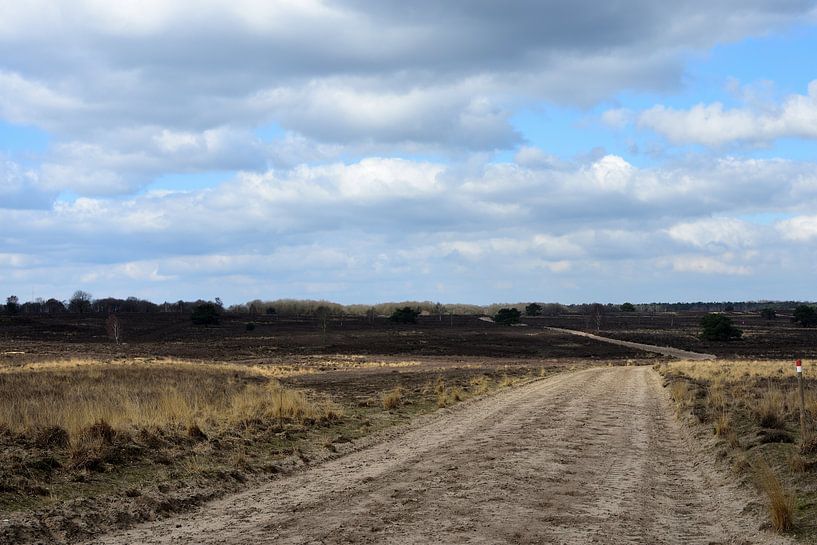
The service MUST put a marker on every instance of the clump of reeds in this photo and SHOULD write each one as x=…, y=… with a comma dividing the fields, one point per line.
x=780, y=500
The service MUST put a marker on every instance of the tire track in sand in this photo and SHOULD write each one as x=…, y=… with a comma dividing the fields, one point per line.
x=594, y=456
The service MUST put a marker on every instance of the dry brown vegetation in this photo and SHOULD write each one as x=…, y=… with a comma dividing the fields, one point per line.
x=77, y=395
x=753, y=408
x=148, y=436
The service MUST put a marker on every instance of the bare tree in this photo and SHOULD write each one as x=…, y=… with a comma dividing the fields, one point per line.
x=596, y=315
x=114, y=328
x=322, y=313
x=80, y=302
x=439, y=310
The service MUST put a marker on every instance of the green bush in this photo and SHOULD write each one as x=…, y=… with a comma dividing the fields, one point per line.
x=718, y=327
x=507, y=316
x=405, y=315
x=206, y=314
x=533, y=309
x=768, y=313
x=805, y=315
x=627, y=307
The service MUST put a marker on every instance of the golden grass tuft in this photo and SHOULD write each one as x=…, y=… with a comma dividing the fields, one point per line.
x=75, y=396
x=770, y=409
x=722, y=425
x=392, y=399
x=480, y=385
x=781, y=501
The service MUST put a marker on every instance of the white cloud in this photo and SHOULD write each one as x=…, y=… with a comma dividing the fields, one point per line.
x=704, y=265
x=800, y=228
x=715, y=125
x=715, y=233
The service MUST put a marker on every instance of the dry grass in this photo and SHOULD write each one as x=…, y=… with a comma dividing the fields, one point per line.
x=76, y=395
x=392, y=399
x=780, y=501
x=722, y=426
x=770, y=408
x=754, y=407
x=480, y=385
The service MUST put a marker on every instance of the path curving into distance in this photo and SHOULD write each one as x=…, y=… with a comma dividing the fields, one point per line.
x=592, y=456
x=665, y=350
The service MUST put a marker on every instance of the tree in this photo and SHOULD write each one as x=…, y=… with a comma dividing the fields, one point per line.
x=80, y=302
x=627, y=307
x=52, y=306
x=322, y=313
x=405, y=315
x=596, y=315
x=439, y=310
x=114, y=328
x=768, y=313
x=12, y=305
x=805, y=315
x=533, y=309
x=206, y=314
x=718, y=327
x=507, y=316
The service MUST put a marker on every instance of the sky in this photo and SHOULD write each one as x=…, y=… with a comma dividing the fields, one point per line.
x=363, y=151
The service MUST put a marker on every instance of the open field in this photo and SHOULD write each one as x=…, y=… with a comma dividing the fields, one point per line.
x=96, y=436
x=762, y=339
x=285, y=340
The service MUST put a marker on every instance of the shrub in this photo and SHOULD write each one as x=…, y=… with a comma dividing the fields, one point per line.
x=805, y=315
x=507, y=316
x=717, y=327
x=627, y=307
x=206, y=314
x=250, y=326
x=392, y=398
x=768, y=314
x=533, y=309
x=405, y=315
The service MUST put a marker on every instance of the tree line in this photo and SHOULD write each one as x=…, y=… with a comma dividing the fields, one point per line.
x=82, y=302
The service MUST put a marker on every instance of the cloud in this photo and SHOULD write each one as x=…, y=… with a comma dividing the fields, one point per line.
x=800, y=228
x=714, y=125
x=378, y=221
x=20, y=187
x=102, y=77
x=715, y=233
x=704, y=265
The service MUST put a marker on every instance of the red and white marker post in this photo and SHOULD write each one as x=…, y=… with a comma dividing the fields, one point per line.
x=799, y=367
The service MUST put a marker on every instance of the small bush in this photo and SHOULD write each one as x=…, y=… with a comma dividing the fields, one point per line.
x=507, y=316
x=717, y=327
x=405, y=315
x=206, y=314
x=805, y=315
x=533, y=309
x=249, y=327
x=627, y=307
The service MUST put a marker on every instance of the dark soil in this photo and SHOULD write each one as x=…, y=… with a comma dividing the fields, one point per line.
x=762, y=339
x=24, y=339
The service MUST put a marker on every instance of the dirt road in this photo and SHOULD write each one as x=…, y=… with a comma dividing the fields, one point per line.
x=594, y=456
x=665, y=350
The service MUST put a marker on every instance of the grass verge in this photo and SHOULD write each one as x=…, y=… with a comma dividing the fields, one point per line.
x=752, y=408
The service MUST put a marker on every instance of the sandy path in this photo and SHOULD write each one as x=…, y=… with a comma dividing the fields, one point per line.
x=665, y=350
x=593, y=456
